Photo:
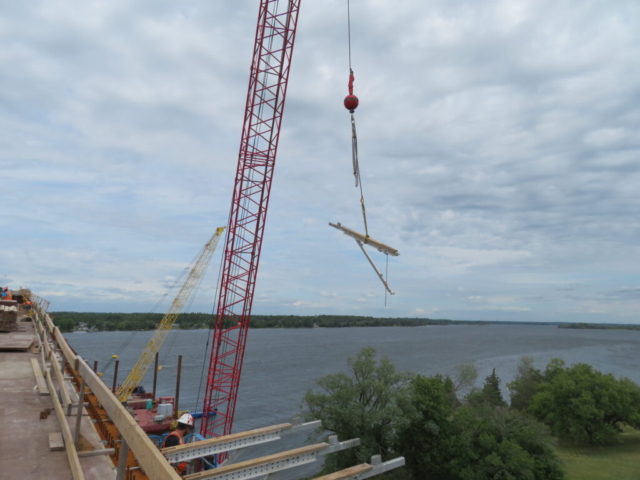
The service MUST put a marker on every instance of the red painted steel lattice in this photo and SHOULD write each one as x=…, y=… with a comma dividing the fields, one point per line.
x=270, y=67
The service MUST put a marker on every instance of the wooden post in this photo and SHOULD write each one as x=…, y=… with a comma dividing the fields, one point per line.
x=76, y=434
x=177, y=399
x=155, y=375
x=115, y=376
x=122, y=460
x=72, y=453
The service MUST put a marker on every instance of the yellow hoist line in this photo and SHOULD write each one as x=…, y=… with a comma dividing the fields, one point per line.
x=165, y=325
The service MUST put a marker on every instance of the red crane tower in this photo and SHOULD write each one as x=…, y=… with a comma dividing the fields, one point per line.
x=275, y=36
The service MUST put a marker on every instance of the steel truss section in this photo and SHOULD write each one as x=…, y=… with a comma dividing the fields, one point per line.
x=275, y=36
x=274, y=463
x=212, y=446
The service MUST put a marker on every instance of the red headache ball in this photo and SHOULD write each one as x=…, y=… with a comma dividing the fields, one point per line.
x=351, y=102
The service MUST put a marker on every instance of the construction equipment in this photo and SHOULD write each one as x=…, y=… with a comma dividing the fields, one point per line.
x=268, y=80
x=351, y=102
x=177, y=306
x=273, y=48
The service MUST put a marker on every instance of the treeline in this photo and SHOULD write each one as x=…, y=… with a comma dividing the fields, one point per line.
x=599, y=326
x=99, y=322
x=448, y=429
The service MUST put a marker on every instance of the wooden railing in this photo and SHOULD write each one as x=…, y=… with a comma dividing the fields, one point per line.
x=148, y=457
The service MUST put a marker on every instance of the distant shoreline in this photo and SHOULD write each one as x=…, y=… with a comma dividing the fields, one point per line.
x=599, y=326
x=109, y=322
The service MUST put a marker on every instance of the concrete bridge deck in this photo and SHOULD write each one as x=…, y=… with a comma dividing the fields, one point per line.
x=24, y=443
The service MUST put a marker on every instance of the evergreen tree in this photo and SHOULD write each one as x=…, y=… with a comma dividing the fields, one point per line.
x=490, y=394
x=525, y=384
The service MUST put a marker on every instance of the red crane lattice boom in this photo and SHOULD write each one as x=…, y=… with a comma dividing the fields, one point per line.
x=275, y=36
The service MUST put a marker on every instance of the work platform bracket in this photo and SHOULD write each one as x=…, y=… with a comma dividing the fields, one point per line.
x=212, y=446
x=274, y=463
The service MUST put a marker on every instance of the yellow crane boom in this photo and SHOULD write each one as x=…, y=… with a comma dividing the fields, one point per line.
x=188, y=289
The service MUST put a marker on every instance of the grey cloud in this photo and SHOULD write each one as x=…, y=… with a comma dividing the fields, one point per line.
x=499, y=146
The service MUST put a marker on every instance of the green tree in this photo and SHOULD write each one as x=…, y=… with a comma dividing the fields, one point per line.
x=465, y=377
x=363, y=404
x=498, y=443
x=490, y=394
x=525, y=384
x=584, y=404
x=425, y=433
x=64, y=324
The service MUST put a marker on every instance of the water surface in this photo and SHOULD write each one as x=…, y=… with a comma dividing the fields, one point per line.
x=281, y=364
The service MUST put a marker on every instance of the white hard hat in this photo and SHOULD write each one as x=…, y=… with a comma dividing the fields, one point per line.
x=187, y=419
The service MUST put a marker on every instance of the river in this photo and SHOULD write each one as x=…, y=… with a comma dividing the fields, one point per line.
x=282, y=364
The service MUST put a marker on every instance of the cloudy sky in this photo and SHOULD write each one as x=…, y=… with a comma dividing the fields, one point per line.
x=499, y=148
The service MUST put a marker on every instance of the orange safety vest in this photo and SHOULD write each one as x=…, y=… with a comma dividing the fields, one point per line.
x=180, y=467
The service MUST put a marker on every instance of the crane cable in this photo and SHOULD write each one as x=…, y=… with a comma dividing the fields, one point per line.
x=351, y=103
x=126, y=343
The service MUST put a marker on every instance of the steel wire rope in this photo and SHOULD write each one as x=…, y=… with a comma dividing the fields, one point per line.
x=349, y=30
x=211, y=322
x=151, y=312
x=265, y=75
x=354, y=136
x=187, y=308
x=206, y=347
x=386, y=275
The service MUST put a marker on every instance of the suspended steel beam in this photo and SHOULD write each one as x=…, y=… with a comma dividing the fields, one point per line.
x=362, y=240
x=366, y=240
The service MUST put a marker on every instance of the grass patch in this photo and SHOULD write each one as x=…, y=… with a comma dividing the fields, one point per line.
x=618, y=461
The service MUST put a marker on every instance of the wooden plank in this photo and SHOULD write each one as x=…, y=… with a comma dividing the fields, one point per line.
x=347, y=473
x=35, y=346
x=257, y=461
x=55, y=366
x=149, y=457
x=227, y=438
x=40, y=381
x=45, y=343
x=15, y=341
x=49, y=323
x=72, y=454
x=71, y=357
x=56, y=444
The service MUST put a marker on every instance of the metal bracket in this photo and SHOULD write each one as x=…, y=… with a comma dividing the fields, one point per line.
x=382, y=468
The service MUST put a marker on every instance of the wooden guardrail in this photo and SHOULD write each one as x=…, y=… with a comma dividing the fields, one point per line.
x=152, y=462
x=72, y=453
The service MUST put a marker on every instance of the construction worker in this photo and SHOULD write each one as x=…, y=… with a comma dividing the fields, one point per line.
x=185, y=423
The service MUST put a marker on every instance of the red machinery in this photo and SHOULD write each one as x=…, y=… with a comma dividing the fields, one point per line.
x=275, y=36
